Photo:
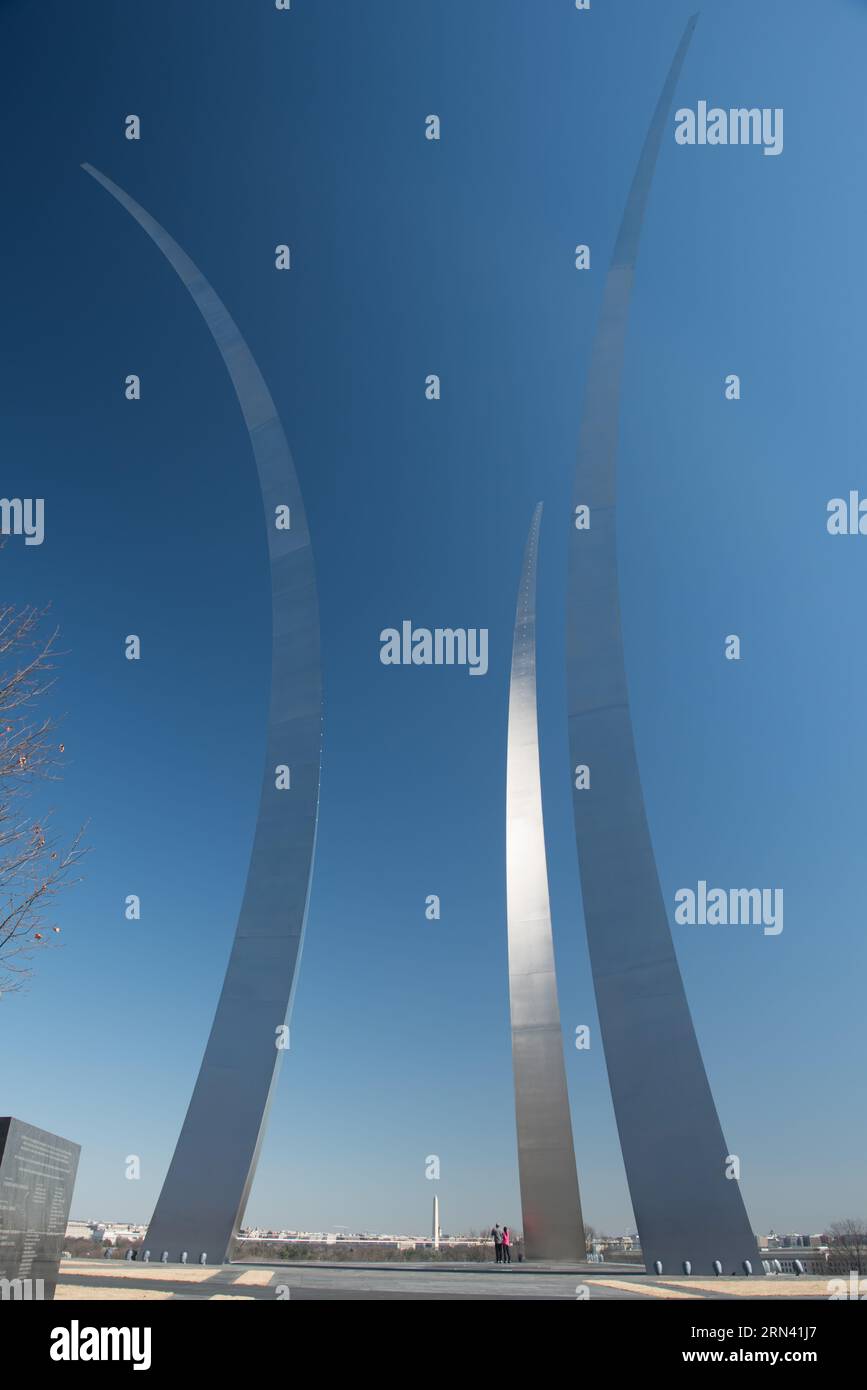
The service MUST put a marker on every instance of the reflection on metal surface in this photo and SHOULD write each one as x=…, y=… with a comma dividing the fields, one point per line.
x=673, y=1146
x=551, y=1208
x=209, y=1178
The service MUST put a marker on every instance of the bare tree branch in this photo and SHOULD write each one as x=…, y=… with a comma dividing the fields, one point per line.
x=33, y=865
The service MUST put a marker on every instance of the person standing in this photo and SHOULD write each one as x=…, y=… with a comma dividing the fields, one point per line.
x=497, y=1235
x=507, y=1242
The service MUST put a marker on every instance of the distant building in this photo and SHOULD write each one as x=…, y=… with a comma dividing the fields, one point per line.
x=80, y=1230
x=104, y=1232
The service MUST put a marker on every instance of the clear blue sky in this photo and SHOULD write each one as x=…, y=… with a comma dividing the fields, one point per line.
x=411, y=257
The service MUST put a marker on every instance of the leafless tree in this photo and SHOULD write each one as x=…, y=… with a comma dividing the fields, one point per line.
x=33, y=866
x=847, y=1244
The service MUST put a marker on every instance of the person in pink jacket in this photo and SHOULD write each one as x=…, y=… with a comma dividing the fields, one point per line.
x=507, y=1241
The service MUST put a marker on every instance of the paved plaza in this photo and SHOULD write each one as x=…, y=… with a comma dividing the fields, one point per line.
x=102, y=1280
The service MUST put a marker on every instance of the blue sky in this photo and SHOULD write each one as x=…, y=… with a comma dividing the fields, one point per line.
x=411, y=257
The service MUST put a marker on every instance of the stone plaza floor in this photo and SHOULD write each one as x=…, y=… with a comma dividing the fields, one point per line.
x=425, y=1280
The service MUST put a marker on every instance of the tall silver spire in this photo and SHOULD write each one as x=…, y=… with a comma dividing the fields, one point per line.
x=206, y=1188
x=686, y=1207
x=551, y=1206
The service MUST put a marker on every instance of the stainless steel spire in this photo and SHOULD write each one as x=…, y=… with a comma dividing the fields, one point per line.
x=208, y=1181
x=551, y=1207
x=686, y=1208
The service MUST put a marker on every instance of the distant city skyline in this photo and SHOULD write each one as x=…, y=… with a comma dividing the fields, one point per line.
x=787, y=1239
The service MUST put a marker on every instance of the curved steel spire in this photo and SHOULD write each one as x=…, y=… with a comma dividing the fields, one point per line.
x=550, y=1204
x=673, y=1146
x=206, y=1188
